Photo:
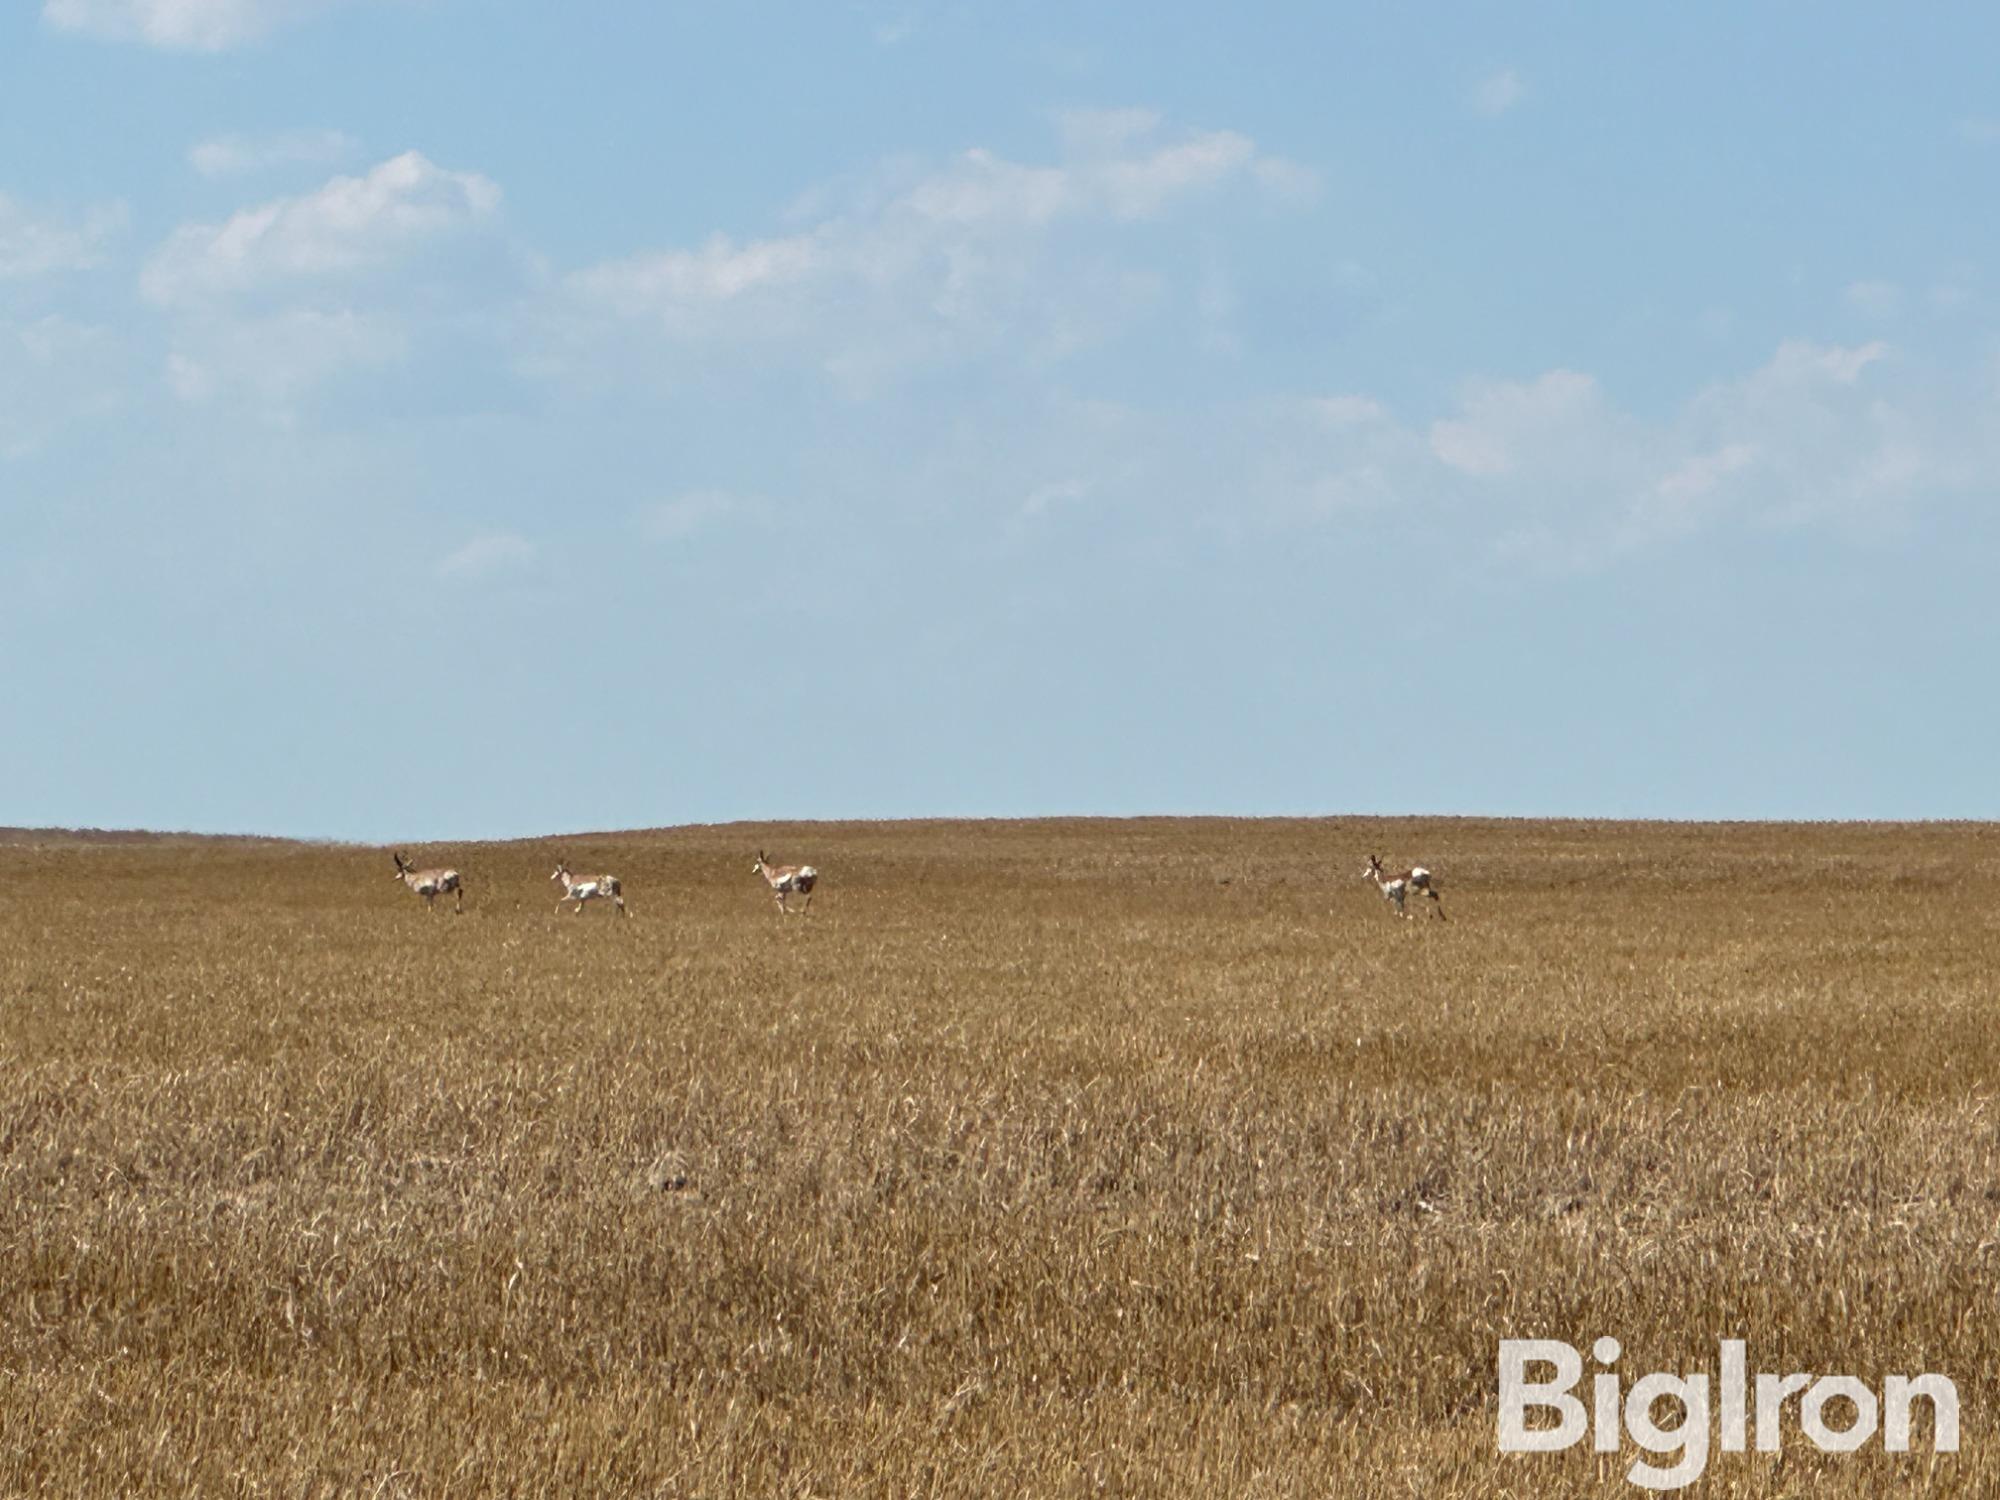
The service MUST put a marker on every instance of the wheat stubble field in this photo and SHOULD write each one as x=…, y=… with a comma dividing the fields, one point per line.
x=1054, y=1158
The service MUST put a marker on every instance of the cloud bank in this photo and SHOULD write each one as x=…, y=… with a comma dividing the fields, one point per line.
x=179, y=25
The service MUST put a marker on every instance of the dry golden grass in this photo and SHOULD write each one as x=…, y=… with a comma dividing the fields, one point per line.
x=1053, y=1158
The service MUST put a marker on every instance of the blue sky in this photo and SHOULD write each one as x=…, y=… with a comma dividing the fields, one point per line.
x=430, y=419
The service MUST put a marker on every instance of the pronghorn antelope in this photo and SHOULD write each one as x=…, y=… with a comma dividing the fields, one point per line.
x=1396, y=889
x=588, y=888
x=431, y=884
x=785, y=879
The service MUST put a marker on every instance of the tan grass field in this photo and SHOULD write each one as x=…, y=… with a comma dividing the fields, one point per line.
x=1053, y=1158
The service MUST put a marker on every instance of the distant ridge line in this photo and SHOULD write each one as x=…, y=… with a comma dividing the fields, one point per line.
x=17, y=836
x=133, y=836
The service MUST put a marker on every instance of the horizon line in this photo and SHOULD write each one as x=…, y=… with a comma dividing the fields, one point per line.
x=16, y=834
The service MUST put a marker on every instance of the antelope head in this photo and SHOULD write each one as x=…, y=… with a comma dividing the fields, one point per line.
x=562, y=871
x=402, y=866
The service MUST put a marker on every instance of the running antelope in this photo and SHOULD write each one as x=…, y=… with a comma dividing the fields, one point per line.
x=785, y=879
x=431, y=884
x=1396, y=889
x=588, y=888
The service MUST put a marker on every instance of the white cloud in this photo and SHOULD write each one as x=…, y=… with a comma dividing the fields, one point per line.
x=1104, y=132
x=1216, y=310
x=676, y=285
x=1350, y=411
x=1800, y=362
x=54, y=373
x=1046, y=497
x=282, y=296
x=960, y=257
x=275, y=358
x=488, y=555
x=1691, y=493
x=1697, y=478
x=1507, y=425
x=1286, y=179
x=895, y=33
x=350, y=225
x=1546, y=474
x=182, y=25
x=1831, y=446
x=1338, y=455
x=189, y=379
x=240, y=155
x=1551, y=471
x=1498, y=92
x=34, y=243
x=1880, y=300
x=981, y=188
x=682, y=516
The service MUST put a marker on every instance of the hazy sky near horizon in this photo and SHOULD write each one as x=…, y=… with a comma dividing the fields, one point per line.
x=429, y=419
